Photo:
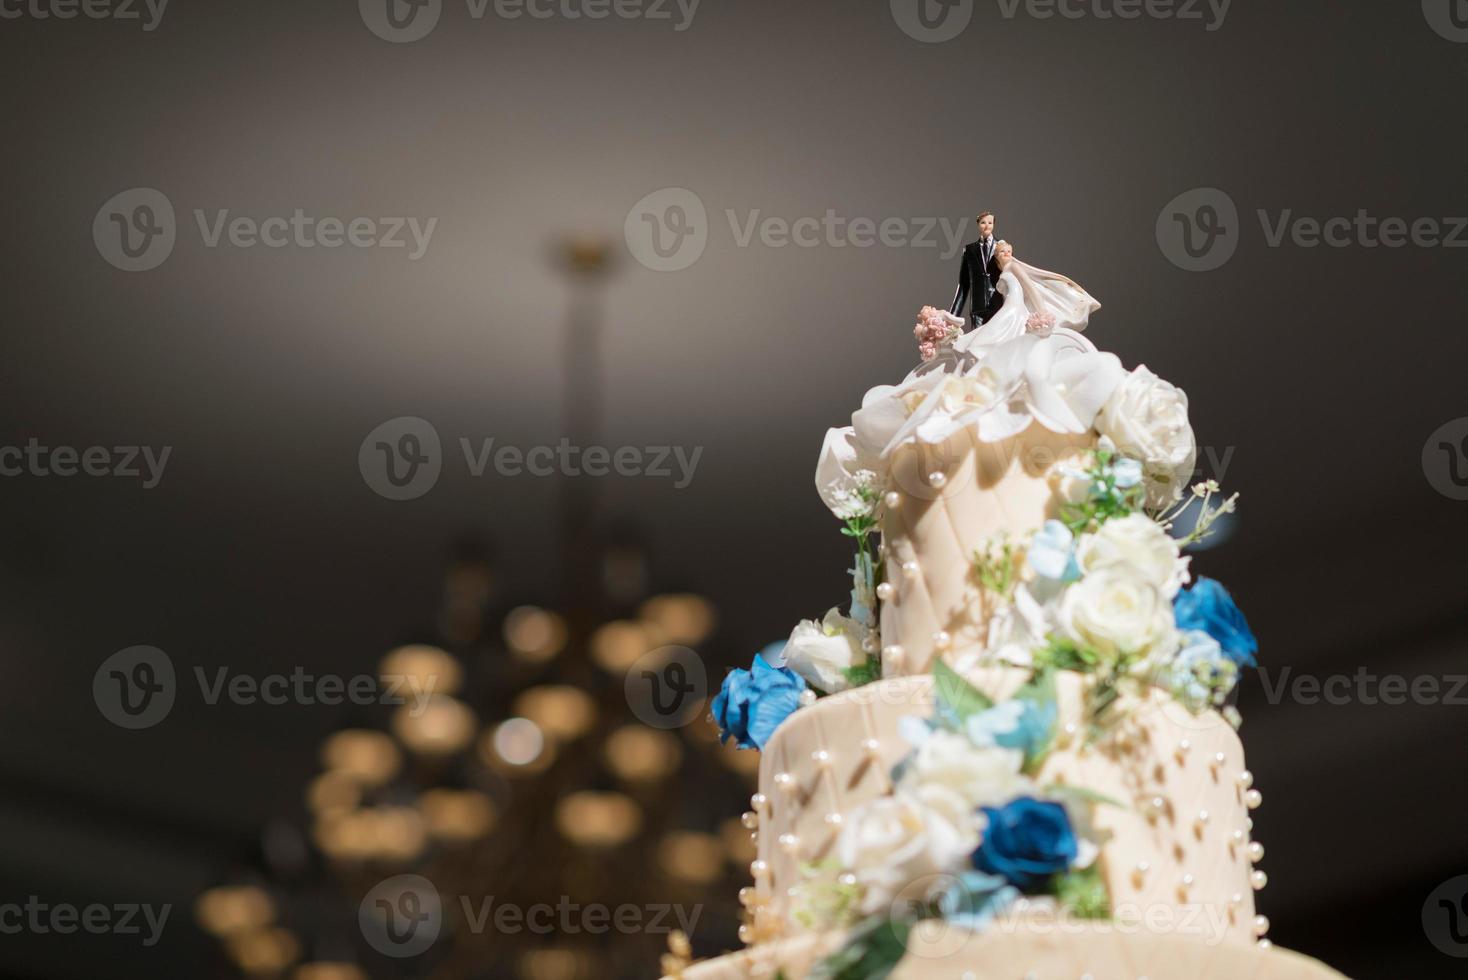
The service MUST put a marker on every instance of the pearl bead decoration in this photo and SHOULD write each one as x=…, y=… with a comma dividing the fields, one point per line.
x=1246, y=779
x=909, y=568
x=941, y=640
x=937, y=478
x=758, y=801
x=871, y=746
x=892, y=499
x=759, y=868
x=785, y=781
x=806, y=698
x=1256, y=852
x=1258, y=880
x=1253, y=798
x=1261, y=925
x=886, y=591
x=750, y=820
x=821, y=758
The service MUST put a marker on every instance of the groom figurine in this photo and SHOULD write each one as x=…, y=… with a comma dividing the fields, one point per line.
x=978, y=276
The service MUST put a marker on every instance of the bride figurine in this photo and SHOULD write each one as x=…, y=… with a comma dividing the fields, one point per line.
x=1035, y=301
x=1029, y=362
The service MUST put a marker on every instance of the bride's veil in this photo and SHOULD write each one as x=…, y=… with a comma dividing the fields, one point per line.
x=1052, y=293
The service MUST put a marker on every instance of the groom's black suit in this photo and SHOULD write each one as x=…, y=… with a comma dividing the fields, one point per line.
x=977, y=278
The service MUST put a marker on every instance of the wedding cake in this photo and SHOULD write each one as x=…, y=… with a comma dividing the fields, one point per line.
x=1015, y=753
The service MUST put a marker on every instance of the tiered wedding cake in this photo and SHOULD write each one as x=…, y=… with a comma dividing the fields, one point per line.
x=1015, y=755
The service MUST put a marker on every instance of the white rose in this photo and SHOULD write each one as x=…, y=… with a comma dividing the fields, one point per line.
x=981, y=776
x=892, y=843
x=1147, y=418
x=1138, y=543
x=821, y=652
x=1114, y=611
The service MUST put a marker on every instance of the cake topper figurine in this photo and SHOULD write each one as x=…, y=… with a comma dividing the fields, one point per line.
x=978, y=276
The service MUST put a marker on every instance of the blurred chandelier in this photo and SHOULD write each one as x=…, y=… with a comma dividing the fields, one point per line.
x=522, y=778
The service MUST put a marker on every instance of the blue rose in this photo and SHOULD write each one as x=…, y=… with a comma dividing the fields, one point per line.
x=752, y=703
x=1207, y=606
x=1027, y=840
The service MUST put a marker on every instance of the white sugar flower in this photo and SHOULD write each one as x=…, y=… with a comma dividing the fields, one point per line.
x=892, y=844
x=988, y=776
x=1138, y=543
x=1117, y=612
x=822, y=652
x=1147, y=419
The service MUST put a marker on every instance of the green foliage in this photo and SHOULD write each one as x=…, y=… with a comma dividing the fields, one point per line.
x=823, y=901
x=1083, y=892
x=1039, y=690
x=1060, y=653
x=995, y=568
x=871, y=952
x=1107, y=674
x=867, y=672
x=957, y=698
x=1104, y=499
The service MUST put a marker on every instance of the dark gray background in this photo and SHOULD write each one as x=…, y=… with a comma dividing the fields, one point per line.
x=1325, y=369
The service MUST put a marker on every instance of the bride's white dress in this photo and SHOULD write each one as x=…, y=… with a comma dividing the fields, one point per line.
x=1027, y=291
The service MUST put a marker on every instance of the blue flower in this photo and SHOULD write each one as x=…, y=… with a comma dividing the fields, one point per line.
x=864, y=591
x=1201, y=674
x=1026, y=841
x=974, y=899
x=1052, y=553
x=752, y=703
x=1207, y=606
x=1018, y=723
x=1126, y=472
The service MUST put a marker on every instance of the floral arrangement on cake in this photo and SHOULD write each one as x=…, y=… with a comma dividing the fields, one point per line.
x=1103, y=588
